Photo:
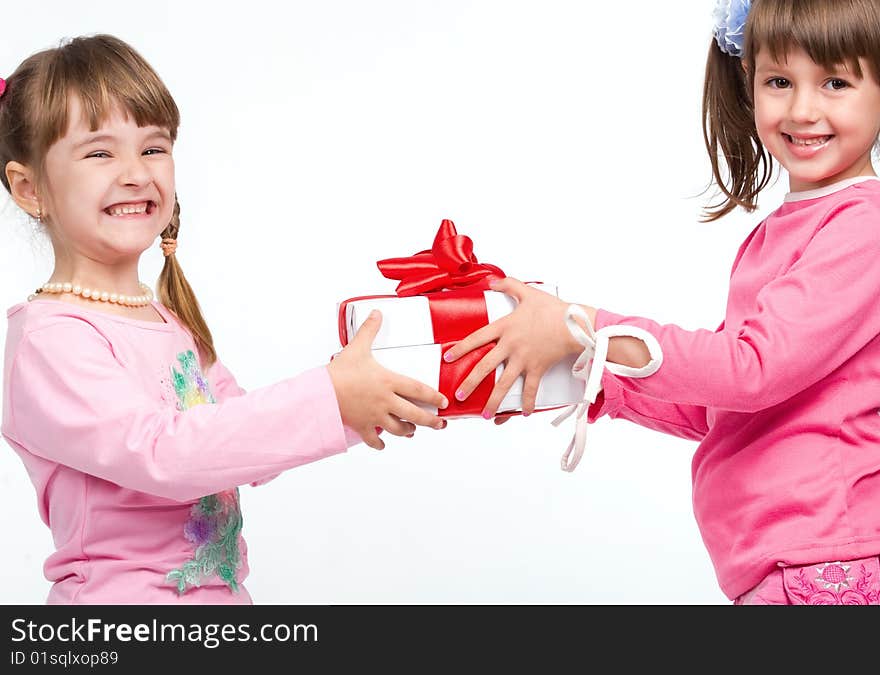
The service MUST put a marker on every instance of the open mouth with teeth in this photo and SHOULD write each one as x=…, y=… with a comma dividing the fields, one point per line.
x=133, y=208
x=807, y=142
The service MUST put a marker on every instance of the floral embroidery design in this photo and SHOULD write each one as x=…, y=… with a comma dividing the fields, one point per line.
x=189, y=383
x=834, y=585
x=213, y=526
x=215, y=522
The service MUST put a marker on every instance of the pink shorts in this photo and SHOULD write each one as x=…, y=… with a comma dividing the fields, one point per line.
x=853, y=582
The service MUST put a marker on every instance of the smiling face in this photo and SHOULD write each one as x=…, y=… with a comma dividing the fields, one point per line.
x=819, y=124
x=107, y=193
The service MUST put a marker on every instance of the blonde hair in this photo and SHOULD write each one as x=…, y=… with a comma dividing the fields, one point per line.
x=831, y=32
x=104, y=73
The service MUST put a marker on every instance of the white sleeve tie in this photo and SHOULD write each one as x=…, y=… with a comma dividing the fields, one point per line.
x=590, y=365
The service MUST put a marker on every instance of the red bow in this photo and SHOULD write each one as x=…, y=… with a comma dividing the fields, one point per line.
x=450, y=263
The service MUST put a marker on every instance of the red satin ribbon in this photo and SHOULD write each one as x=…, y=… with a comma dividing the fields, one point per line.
x=449, y=263
x=453, y=281
x=455, y=315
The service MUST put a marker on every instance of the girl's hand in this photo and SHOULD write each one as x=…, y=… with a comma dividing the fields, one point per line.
x=529, y=341
x=372, y=398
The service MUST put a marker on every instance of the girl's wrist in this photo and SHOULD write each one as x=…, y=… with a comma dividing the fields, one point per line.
x=572, y=345
x=624, y=350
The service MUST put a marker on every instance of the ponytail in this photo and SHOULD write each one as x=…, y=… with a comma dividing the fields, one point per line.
x=729, y=130
x=177, y=295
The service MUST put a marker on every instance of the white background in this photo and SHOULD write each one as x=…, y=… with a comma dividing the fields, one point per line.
x=319, y=137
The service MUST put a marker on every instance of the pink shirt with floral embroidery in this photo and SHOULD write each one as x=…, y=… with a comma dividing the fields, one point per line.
x=136, y=455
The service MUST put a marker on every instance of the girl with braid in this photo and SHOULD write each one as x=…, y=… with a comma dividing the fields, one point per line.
x=134, y=434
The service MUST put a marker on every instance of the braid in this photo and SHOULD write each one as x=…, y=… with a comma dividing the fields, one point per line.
x=177, y=295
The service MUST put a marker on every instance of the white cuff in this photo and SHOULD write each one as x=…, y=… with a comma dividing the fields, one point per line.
x=590, y=365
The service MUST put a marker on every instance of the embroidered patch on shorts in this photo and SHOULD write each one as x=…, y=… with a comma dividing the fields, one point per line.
x=854, y=582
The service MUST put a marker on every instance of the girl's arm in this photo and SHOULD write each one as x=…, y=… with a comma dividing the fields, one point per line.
x=224, y=385
x=676, y=419
x=805, y=324
x=684, y=421
x=223, y=382
x=91, y=413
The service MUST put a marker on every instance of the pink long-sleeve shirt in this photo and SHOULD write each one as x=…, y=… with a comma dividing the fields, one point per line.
x=136, y=455
x=783, y=397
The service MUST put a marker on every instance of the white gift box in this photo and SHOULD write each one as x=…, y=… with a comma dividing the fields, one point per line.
x=405, y=344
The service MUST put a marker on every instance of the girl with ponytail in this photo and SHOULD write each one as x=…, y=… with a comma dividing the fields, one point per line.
x=783, y=397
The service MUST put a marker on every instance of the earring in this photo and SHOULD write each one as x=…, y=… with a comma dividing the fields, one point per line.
x=39, y=215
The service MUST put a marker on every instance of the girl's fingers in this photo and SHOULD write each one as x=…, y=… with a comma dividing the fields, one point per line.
x=371, y=438
x=530, y=392
x=505, y=382
x=478, y=338
x=419, y=391
x=479, y=372
x=491, y=332
x=365, y=335
x=510, y=286
x=398, y=427
x=407, y=410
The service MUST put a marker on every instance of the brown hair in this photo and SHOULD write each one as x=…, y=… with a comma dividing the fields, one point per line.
x=831, y=32
x=103, y=72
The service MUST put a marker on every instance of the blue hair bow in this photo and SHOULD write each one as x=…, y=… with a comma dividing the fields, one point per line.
x=730, y=22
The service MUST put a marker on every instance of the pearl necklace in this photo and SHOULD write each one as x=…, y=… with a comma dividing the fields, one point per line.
x=101, y=296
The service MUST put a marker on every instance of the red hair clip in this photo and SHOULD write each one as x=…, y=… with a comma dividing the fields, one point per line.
x=2, y=86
